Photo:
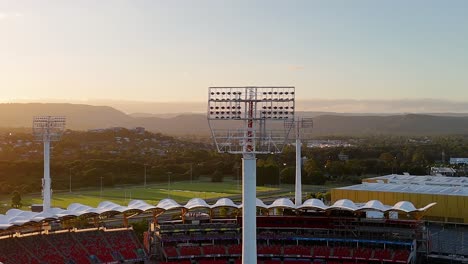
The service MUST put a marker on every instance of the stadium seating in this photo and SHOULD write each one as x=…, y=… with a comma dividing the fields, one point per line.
x=342, y=252
x=190, y=251
x=382, y=254
x=269, y=250
x=123, y=242
x=96, y=245
x=68, y=247
x=171, y=252
x=38, y=246
x=401, y=256
x=296, y=261
x=214, y=250
x=362, y=253
x=272, y=262
x=235, y=249
x=297, y=250
x=321, y=252
x=209, y=261
x=12, y=253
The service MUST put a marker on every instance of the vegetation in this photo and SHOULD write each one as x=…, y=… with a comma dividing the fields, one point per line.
x=16, y=200
x=118, y=157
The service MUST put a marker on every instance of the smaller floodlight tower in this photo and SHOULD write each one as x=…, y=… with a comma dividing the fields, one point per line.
x=47, y=129
x=301, y=127
x=255, y=116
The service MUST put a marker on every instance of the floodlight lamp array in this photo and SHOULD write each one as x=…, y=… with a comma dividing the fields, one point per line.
x=259, y=112
x=48, y=127
x=235, y=103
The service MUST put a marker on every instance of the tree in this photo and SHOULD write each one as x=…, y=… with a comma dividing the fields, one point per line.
x=288, y=175
x=387, y=158
x=217, y=176
x=16, y=200
x=310, y=165
x=316, y=177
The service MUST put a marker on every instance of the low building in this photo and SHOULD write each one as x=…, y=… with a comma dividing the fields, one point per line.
x=459, y=161
x=450, y=194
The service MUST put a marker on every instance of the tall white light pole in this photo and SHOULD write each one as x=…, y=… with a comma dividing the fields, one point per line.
x=253, y=111
x=300, y=124
x=47, y=129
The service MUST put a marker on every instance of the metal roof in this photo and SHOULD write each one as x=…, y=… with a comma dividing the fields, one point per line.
x=423, y=180
x=409, y=188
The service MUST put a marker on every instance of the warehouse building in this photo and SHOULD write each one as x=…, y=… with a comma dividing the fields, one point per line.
x=450, y=194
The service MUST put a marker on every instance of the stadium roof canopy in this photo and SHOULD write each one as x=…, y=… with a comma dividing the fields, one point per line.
x=421, y=180
x=15, y=217
x=409, y=188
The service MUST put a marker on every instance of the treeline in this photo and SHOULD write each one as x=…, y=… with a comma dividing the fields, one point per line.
x=369, y=156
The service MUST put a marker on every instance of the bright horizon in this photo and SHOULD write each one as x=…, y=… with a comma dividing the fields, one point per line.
x=172, y=51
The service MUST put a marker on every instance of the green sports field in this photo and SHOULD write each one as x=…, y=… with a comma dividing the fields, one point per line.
x=153, y=193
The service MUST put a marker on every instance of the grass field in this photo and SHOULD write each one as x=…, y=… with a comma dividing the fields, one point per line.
x=153, y=193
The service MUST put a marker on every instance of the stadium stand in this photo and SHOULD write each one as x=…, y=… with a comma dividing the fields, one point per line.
x=345, y=240
x=41, y=249
x=67, y=246
x=11, y=252
x=71, y=247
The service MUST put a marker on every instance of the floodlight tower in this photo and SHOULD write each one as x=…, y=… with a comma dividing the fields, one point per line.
x=256, y=115
x=47, y=129
x=300, y=125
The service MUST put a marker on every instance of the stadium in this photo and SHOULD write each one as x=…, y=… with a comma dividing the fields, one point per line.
x=350, y=230
x=197, y=232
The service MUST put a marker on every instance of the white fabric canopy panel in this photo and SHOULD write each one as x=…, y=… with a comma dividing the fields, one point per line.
x=16, y=217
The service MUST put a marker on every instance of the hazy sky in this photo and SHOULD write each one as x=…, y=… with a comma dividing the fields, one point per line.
x=173, y=50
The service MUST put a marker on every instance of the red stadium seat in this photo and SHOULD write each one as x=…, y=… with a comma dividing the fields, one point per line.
x=12, y=253
x=207, y=261
x=123, y=242
x=342, y=252
x=382, y=254
x=95, y=244
x=269, y=250
x=170, y=252
x=214, y=250
x=190, y=251
x=272, y=262
x=41, y=249
x=235, y=249
x=321, y=252
x=362, y=253
x=297, y=251
x=401, y=256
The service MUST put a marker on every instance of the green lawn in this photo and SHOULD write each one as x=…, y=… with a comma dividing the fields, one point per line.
x=153, y=193
x=179, y=191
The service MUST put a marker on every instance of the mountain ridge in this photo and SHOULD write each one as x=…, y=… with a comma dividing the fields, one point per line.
x=85, y=117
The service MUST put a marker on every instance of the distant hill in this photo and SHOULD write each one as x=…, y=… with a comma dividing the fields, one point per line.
x=84, y=117
x=79, y=116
